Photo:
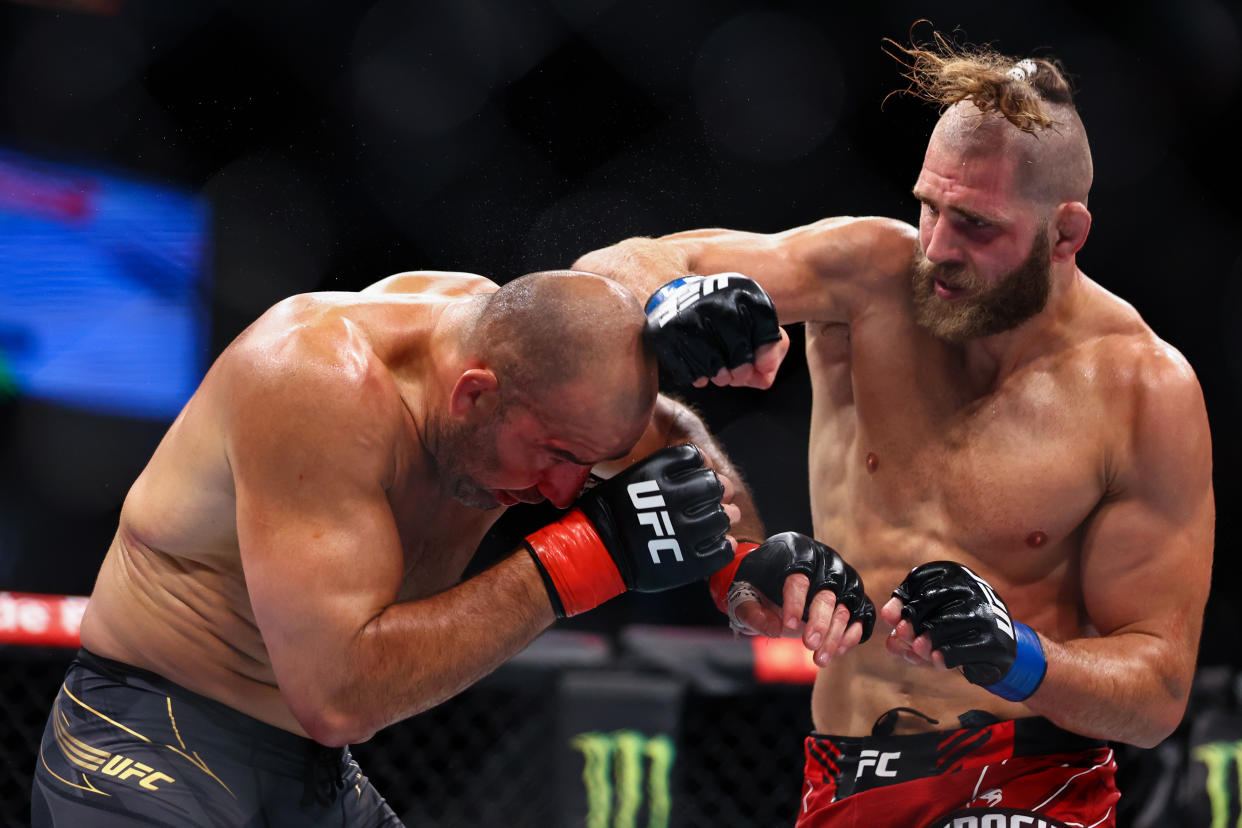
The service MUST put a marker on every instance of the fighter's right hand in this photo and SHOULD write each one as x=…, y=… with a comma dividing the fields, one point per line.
x=809, y=581
x=721, y=328
x=655, y=525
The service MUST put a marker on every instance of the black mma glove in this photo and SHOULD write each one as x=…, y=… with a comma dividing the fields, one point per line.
x=766, y=566
x=971, y=626
x=700, y=324
x=656, y=525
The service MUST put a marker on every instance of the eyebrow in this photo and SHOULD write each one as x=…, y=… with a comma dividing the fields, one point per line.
x=970, y=214
x=571, y=457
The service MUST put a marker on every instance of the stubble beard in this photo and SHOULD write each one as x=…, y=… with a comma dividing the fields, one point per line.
x=1017, y=296
x=453, y=447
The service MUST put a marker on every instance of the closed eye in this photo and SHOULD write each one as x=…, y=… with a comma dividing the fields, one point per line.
x=568, y=457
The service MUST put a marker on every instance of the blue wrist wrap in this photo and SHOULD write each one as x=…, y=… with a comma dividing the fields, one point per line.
x=1029, y=666
x=664, y=292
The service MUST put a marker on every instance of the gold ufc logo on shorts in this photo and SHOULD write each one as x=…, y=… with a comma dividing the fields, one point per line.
x=646, y=497
x=101, y=761
x=618, y=768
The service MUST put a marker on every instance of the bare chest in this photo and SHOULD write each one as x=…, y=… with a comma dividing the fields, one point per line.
x=986, y=483
x=907, y=467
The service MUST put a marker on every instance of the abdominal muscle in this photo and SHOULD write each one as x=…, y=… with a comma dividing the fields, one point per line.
x=187, y=620
x=856, y=689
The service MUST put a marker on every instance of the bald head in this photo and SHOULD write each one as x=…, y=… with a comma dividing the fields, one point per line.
x=543, y=331
x=1051, y=165
x=1021, y=110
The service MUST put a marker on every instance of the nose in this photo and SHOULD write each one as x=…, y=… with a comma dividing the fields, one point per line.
x=940, y=245
x=561, y=483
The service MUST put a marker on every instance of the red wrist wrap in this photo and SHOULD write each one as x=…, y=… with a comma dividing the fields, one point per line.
x=577, y=562
x=720, y=582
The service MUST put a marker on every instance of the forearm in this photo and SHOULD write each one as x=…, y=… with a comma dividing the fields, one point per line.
x=641, y=264
x=413, y=656
x=1127, y=687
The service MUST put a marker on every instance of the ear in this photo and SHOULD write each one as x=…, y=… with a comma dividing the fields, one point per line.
x=1071, y=223
x=474, y=393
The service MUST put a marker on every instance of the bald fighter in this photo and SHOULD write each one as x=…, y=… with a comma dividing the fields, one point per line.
x=286, y=575
x=996, y=440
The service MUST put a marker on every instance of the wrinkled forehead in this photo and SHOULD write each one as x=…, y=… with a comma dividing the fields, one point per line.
x=1048, y=166
x=966, y=155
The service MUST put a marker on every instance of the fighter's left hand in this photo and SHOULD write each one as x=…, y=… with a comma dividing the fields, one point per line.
x=946, y=616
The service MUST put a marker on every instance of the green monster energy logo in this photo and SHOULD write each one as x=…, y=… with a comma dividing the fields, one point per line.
x=1220, y=758
x=622, y=756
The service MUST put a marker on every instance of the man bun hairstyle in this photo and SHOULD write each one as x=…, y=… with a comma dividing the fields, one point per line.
x=946, y=73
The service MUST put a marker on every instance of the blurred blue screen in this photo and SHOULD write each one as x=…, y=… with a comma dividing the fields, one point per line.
x=102, y=289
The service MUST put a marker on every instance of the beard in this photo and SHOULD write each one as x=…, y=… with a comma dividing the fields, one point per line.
x=1016, y=297
x=454, y=445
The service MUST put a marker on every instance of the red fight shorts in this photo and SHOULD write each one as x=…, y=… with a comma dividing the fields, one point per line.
x=1025, y=773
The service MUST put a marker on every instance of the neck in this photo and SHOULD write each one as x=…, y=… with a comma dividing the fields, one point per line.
x=991, y=360
x=446, y=356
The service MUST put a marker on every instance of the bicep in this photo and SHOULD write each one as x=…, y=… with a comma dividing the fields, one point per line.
x=1147, y=554
x=819, y=272
x=318, y=542
x=321, y=558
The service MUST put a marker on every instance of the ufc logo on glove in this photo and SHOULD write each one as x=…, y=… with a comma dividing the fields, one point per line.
x=604, y=545
x=646, y=505
x=678, y=294
x=1003, y=622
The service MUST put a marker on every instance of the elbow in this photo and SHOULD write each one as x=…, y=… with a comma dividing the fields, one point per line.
x=1152, y=736
x=1158, y=722
x=335, y=728
x=599, y=261
x=331, y=723
x=1161, y=724
x=1168, y=714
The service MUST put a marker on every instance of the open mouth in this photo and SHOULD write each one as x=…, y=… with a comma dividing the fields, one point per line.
x=946, y=291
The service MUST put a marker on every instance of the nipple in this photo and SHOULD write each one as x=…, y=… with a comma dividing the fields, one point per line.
x=873, y=462
x=1036, y=539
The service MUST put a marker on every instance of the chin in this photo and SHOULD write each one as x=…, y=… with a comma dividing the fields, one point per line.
x=474, y=497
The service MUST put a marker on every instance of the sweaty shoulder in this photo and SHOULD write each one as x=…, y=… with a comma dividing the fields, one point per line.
x=304, y=373
x=1125, y=348
x=444, y=283
x=1146, y=387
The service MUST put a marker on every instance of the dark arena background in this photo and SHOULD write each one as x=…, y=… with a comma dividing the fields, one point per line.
x=168, y=170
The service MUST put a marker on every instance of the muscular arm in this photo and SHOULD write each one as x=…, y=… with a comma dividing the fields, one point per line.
x=817, y=272
x=1146, y=567
x=311, y=444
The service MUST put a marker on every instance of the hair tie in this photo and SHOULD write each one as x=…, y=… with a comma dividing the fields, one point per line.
x=1023, y=70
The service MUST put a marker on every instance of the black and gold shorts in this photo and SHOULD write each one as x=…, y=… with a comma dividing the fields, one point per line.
x=124, y=746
